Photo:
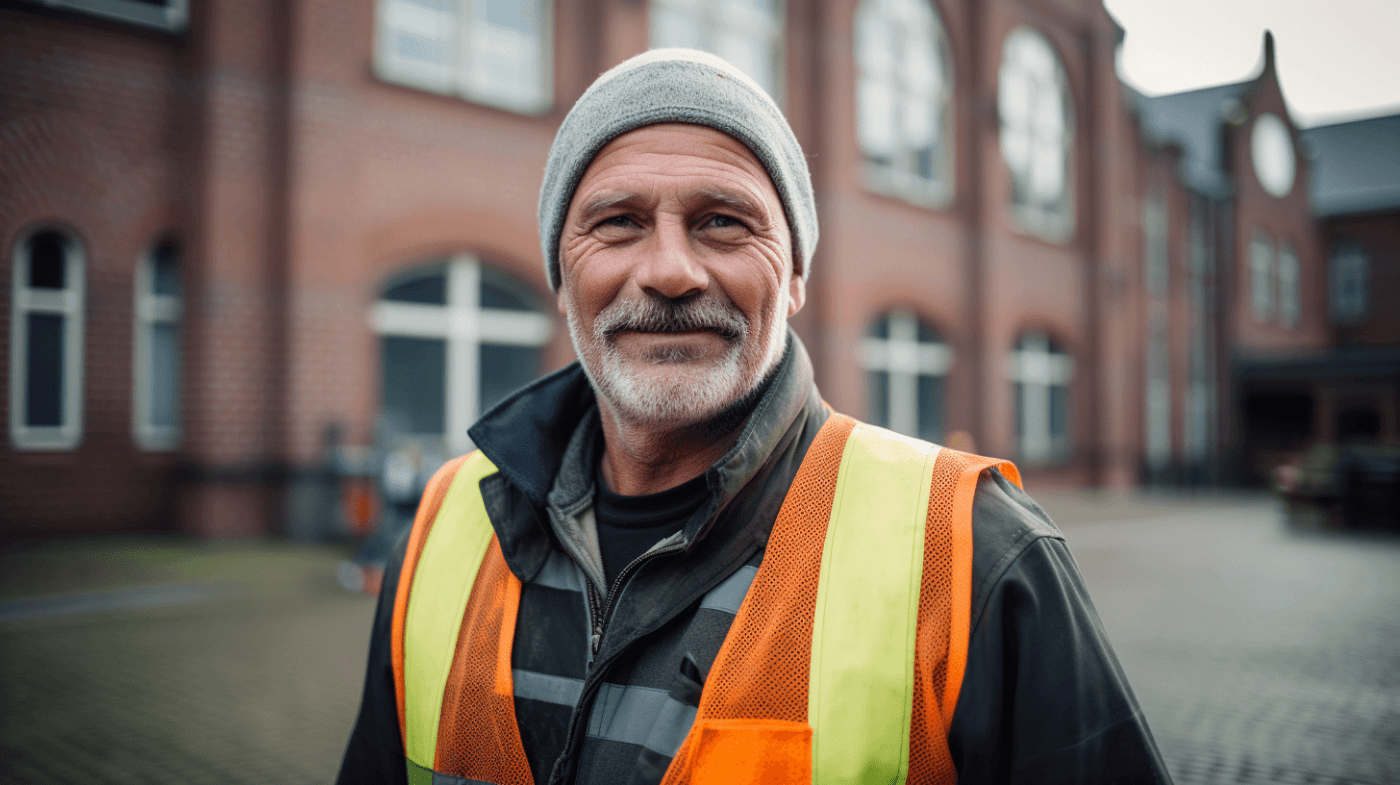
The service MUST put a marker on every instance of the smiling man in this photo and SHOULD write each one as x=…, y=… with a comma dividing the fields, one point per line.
x=672, y=562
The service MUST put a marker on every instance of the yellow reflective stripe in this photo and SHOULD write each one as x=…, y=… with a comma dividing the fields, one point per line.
x=861, y=693
x=442, y=583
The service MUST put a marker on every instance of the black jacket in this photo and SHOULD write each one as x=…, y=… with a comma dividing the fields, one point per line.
x=607, y=678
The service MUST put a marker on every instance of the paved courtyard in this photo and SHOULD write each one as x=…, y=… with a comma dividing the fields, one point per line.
x=1259, y=655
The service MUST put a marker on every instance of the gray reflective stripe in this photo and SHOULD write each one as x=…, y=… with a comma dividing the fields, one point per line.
x=546, y=688
x=640, y=715
x=447, y=779
x=418, y=775
x=560, y=572
x=728, y=596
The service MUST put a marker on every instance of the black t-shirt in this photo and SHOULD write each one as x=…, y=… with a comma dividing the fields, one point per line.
x=629, y=525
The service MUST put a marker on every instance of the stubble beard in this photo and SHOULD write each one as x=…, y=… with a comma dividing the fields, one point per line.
x=673, y=387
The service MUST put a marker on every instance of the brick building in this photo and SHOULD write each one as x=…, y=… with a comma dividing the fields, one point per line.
x=240, y=232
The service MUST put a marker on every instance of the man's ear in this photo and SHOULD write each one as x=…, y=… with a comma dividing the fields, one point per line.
x=797, y=292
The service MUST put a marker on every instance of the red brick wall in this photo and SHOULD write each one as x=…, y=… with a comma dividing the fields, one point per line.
x=87, y=132
x=297, y=182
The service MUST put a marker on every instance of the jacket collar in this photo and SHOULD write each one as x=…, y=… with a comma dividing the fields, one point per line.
x=543, y=439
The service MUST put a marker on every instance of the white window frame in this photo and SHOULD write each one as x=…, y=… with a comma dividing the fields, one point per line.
x=151, y=309
x=1349, y=291
x=1261, y=277
x=900, y=177
x=465, y=325
x=1033, y=366
x=1053, y=221
x=714, y=18
x=171, y=18
x=904, y=358
x=1289, y=283
x=463, y=20
x=68, y=303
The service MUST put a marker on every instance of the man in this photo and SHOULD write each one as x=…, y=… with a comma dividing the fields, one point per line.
x=671, y=562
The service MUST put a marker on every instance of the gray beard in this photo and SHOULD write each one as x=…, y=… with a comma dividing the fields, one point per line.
x=677, y=392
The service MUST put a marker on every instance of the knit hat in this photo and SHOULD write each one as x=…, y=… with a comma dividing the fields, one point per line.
x=676, y=86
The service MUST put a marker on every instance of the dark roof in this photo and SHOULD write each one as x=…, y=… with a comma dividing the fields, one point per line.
x=1356, y=166
x=1193, y=121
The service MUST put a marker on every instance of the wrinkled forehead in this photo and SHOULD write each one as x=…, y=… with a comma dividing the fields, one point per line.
x=675, y=148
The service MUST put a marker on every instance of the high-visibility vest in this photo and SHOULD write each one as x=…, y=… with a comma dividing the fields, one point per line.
x=842, y=665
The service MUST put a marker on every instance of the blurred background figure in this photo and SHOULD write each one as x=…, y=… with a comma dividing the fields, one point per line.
x=267, y=260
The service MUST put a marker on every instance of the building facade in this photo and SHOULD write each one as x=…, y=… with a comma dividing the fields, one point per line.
x=244, y=233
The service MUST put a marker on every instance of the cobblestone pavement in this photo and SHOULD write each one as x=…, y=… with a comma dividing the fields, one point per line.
x=242, y=665
x=1259, y=655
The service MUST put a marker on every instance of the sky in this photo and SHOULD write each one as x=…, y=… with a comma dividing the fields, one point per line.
x=1337, y=59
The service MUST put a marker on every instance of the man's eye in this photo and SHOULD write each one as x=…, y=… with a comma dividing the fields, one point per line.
x=623, y=221
x=725, y=222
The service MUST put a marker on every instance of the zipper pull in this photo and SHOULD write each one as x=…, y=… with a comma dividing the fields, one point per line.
x=597, y=636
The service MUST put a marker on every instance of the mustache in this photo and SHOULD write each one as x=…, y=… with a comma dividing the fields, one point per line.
x=656, y=314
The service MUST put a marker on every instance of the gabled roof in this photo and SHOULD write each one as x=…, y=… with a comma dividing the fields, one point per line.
x=1356, y=166
x=1193, y=120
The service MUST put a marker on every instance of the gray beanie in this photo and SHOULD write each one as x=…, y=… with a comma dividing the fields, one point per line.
x=676, y=86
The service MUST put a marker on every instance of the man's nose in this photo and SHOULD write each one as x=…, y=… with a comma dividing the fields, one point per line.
x=670, y=267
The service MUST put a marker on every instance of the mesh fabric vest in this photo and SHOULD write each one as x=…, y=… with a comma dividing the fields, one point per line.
x=843, y=664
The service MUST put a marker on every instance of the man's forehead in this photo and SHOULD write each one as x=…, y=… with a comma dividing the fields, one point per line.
x=668, y=148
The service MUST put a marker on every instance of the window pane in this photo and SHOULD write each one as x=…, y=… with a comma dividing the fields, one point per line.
x=415, y=384
x=43, y=394
x=46, y=262
x=877, y=397
x=505, y=369
x=429, y=289
x=499, y=290
x=165, y=374
x=931, y=408
x=1059, y=414
x=165, y=271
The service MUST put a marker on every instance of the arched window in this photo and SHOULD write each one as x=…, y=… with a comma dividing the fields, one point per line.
x=1037, y=134
x=747, y=33
x=46, y=343
x=1289, y=277
x=1261, y=276
x=495, y=52
x=905, y=364
x=455, y=339
x=1351, y=282
x=1041, y=372
x=904, y=86
x=156, y=375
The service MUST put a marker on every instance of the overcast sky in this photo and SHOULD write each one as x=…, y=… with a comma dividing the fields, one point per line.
x=1337, y=59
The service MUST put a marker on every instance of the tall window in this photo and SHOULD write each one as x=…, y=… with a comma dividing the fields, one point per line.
x=1156, y=262
x=1261, y=276
x=46, y=343
x=1288, y=281
x=903, y=91
x=1159, y=392
x=156, y=398
x=747, y=33
x=1200, y=409
x=1041, y=372
x=1350, y=275
x=1037, y=133
x=905, y=364
x=495, y=52
x=455, y=339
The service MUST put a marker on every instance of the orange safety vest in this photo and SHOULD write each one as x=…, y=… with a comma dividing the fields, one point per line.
x=752, y=725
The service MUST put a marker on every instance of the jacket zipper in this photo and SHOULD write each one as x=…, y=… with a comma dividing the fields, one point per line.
x=598, y=621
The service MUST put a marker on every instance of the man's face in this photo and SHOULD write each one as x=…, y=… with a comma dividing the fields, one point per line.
x=676, y=260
